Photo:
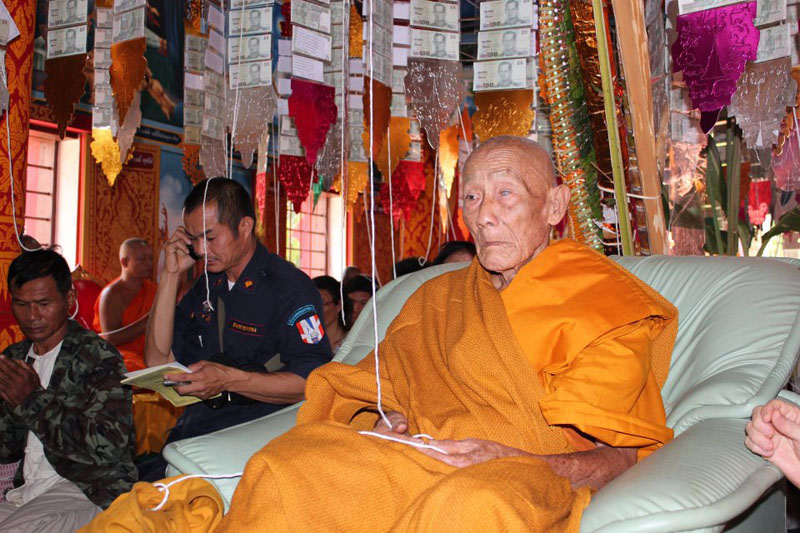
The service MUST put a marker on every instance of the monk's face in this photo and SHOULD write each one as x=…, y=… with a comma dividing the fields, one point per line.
x=510, y=204
x=139, y=261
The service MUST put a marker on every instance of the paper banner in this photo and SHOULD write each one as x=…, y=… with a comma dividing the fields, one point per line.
x=435, y=90
x=128, y=67
x=105, y=151
x=64, y=86
x=786, y=165
x=788, y=122
x=408, y=183
x=381, y=107
x=711, y=50
x=760, y=201
x=763, y=93
x=313, y=108
x=294, y=173
x=502, y=113
x=330, y=157
x=212, y=157
x=256, y=106
x=448, y=157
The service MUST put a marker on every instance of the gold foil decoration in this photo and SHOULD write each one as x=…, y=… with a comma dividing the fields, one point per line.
x=502, y=113
x=357, y=177
x=128, y=67
x=191, y=163
x=381, y=107
x=398, y=145
x=448, y=157
x=356, y=33
x=64, y=87
x=256, y=107
x=105, y=151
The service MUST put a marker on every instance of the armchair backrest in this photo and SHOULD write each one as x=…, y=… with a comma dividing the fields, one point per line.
x=738, y=333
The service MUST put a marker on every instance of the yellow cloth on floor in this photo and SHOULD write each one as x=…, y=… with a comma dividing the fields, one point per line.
x=194, y=506
x=452, y=364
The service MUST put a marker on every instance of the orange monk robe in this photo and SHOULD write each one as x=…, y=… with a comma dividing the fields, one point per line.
x=452, y=362
x=132, y=352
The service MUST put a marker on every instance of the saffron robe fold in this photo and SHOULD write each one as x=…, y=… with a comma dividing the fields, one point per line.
x=132, y=352
x=451, y=362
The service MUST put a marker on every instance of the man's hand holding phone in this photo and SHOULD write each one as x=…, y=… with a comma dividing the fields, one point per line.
x=179, y=254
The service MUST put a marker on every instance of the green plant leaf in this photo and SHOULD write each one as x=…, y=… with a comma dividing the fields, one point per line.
x=790, y=221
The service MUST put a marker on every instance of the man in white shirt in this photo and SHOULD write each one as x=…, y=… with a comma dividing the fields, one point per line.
x=63, y=411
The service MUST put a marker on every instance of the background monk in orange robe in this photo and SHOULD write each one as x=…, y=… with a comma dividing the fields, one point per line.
x=124, y=303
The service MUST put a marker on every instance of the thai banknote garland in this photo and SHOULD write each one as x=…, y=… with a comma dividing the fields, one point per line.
x=506, y=45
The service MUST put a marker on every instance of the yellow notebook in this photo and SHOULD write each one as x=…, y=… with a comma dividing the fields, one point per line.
x=153, y=378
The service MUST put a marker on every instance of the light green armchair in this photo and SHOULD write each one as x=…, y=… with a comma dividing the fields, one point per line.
x=738, y=340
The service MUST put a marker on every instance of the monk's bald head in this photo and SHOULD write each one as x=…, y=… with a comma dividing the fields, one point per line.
x=525, y=153
x=136, y=258
x=132, y=245
x=511, y=202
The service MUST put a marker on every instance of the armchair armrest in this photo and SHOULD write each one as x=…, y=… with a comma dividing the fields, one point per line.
x=702, y=479
x=228, y=450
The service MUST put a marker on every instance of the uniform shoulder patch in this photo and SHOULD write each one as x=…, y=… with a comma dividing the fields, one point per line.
x=310, y=329
x=294, y=317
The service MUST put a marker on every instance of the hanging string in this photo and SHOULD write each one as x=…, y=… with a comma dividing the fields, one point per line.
x=164, y=487
x=276, y=196
x=391, y=204
x=11, y=172
x=342, y=161
x=434, y=200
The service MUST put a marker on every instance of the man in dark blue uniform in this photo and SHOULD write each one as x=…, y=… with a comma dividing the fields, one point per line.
x=266, y=311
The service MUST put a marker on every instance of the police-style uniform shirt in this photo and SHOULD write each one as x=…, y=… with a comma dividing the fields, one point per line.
x=272, y=309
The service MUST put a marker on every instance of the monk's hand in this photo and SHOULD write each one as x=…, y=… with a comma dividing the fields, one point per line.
x=399, y=424
x=17, y=380
x=774, y=433
x=206, y=380
x=176, y=252
x=467, y=452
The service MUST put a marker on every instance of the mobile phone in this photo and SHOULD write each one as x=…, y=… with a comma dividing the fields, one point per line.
x=193, y=254
x=168, y=383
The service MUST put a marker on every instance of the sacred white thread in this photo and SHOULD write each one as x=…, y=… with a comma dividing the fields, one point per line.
x=391, y=205
x=11, y=171
x=342, y=162
x=164, y=487
x=433, y=206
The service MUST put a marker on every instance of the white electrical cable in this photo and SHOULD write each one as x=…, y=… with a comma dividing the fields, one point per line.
x=11, y=172
x=164, y=487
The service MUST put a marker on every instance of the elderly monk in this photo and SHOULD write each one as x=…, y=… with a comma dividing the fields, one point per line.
x=537, y=369
x=122, y=307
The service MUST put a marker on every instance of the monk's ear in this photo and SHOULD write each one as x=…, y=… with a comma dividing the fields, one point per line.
x=558, y=198
x=124, y=262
